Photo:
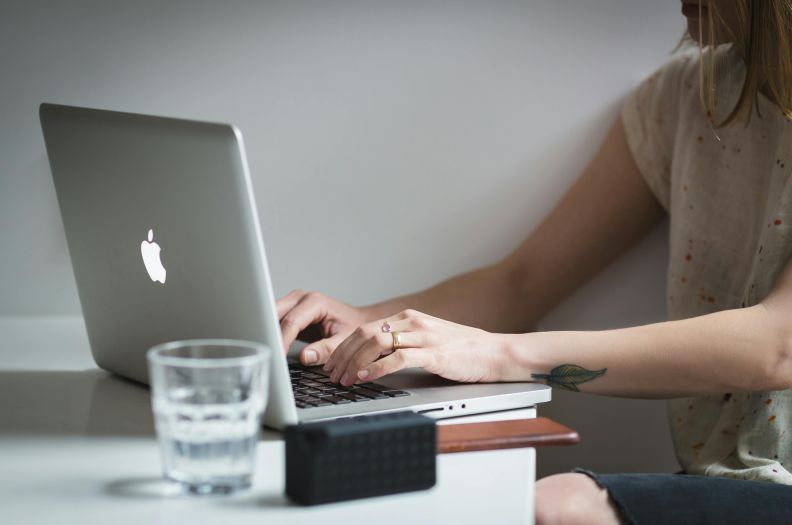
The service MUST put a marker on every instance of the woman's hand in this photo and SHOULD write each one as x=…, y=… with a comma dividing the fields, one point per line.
x=318, y=320
x=451, y=350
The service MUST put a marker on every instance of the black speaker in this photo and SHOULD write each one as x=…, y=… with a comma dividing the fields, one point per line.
x=359, y=457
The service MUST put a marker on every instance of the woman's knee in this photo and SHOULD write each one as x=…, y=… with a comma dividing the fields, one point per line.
x=570, y=499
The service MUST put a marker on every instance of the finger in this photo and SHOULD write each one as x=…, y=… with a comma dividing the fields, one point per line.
x=381, y=344
x=341, y=353
x=304, y=314
x=319, y=352
x=403, y=326
x=337, y=363
x=398, y=360
x=288, y=301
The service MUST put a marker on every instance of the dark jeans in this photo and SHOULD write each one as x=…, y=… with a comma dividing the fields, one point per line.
x=662, y=499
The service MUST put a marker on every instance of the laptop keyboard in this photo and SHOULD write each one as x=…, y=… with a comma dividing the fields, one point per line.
x=313, y=388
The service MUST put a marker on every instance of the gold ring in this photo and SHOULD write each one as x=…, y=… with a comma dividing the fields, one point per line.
x=397, y=342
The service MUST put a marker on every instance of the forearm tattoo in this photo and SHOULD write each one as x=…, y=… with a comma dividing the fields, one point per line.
x=568, y=377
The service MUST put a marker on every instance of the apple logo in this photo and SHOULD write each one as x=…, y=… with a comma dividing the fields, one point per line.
x=151, y=258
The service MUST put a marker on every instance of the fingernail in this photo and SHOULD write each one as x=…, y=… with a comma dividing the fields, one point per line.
x=363, y=374
x=309, y=356
x=345, y=379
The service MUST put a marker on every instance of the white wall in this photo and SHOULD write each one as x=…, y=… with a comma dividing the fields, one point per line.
x=392, y=143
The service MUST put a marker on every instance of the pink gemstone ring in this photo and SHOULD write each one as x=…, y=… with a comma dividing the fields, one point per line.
x=386, y=327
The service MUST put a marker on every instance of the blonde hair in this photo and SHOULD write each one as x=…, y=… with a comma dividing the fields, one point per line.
x=761, y=31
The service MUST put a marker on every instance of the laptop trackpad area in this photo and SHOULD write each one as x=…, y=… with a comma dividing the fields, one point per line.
x=424, y=383
x=414, y=378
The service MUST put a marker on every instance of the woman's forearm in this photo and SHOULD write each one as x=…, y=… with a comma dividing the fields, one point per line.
x=728, y=351
x=606, y=211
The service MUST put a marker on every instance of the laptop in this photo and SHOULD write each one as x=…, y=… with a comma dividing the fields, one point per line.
x=165, y=243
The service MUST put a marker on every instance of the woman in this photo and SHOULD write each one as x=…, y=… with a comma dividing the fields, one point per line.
x=708, y=140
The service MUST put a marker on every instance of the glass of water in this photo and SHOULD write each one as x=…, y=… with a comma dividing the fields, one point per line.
x=208, y=396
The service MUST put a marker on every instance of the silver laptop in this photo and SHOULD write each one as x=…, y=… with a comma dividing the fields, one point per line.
x=165, y=242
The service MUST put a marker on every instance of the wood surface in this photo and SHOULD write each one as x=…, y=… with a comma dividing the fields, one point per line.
x=494, y=435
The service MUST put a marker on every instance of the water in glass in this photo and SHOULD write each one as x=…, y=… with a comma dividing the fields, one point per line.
x=207, y=415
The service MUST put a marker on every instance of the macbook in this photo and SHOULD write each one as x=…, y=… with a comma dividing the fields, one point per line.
x=165, y=242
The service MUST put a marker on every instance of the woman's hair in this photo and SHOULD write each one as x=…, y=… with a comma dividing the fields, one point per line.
x=761, y=31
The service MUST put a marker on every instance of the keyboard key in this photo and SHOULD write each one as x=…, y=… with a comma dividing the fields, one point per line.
x=371, y=394
x=335, y=392
x=323, y=395
x=396, y=393
x=353, y=397
x=338, y=391
x=375, y=386
x=311, y=385
x=337, y=400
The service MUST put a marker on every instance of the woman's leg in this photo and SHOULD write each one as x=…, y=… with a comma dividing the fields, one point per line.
x=572, y=499
x=660, y=499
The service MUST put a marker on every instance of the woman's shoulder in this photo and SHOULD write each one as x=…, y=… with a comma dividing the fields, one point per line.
x=684, y=63
x=672, y=92
x=679, y=78
x=675, y=78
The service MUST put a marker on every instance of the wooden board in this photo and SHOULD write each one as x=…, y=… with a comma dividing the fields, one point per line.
x=535, y=432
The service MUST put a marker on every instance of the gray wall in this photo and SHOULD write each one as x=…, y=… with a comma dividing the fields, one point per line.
x=447, y=129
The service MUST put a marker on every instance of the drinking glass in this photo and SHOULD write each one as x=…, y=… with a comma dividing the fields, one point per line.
x=208, y=396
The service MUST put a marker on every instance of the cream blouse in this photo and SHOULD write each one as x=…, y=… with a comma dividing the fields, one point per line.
x=727, y=191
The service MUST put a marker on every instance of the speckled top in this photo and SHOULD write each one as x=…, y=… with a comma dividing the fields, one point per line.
x=728, y=194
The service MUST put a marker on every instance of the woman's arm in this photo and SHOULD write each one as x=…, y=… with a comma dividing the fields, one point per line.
x=747, y=349
x=605, y=212
x=728, y=351
x=607, y=209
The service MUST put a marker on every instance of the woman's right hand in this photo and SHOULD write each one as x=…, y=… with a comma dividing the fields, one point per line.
x=318, y=320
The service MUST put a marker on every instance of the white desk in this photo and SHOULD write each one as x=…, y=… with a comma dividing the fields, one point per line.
x=77, y=445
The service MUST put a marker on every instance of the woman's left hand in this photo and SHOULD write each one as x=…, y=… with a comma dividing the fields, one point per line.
x=454, y=351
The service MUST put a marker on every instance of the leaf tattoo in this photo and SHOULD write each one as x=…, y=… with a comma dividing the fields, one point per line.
x=568, y=377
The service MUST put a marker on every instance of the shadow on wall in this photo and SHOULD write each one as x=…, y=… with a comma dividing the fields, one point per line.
x=617, y=435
